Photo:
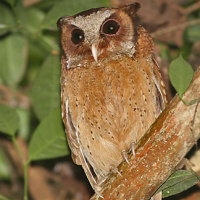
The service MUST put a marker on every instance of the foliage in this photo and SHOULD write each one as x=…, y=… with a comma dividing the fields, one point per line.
x=9, y=120
x=180, y=74
x=5, y=171
x=179, y=181
x=29, y=74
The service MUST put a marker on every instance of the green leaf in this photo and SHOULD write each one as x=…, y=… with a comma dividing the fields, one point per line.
x=37, y=54
x=193, y=33
x=49, y=140
x=24, y=128
x=45, y=5
x=9, y=120
x=67, y=8
x=52, y=40
x=3, y=197
x=13, y=51
x=165, y=55
x=31, y=19
x=180, y=74
x=45, y=93
x=4, y=29
x=179, y=181
x=105, y=3
x=11, y=2
x=5, y=172
x=7, y=19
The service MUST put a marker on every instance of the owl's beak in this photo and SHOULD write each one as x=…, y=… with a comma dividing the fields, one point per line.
x=94, y=52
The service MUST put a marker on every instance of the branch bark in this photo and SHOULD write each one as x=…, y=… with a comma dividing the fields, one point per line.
x=160, y=150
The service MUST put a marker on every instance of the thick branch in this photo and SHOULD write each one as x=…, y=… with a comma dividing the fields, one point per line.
x=159, y=152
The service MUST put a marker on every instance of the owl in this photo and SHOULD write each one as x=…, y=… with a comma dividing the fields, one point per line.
x=111, y=88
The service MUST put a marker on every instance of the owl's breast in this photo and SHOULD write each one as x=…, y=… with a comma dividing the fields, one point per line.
x=111, y=105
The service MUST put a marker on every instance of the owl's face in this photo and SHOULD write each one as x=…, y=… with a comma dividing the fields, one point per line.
x=99, y=33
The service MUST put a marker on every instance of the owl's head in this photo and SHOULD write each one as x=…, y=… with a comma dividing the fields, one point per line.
x=97, y=33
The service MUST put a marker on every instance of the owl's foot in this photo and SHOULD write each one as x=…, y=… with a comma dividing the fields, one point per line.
x=124, y=153
x=125, y=156
x=115, y=170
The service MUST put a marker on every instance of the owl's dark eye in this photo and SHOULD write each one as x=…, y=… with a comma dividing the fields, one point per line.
x=77, y=36
x=110, y=27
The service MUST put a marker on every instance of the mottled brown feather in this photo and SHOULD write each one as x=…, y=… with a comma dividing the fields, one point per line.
x=109, y=107
x=108, y=104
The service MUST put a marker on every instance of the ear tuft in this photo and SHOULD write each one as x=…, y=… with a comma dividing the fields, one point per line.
x=61, y=21
x=131, y=8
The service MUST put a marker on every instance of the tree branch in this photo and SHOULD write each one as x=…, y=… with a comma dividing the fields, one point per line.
x=192, y=8
x=175, y=28
x=159, y=152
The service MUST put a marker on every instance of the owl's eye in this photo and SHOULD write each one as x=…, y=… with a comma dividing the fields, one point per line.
x=77, y=36
x=110, y=27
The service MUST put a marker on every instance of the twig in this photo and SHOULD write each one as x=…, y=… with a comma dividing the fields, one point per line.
x=192, y=8
x=14, y=98
x=175, y=28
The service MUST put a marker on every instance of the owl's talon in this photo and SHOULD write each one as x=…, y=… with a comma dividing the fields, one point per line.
x=125, y=156
x=99, y=194
x=133, y=148
x=96, y=189
x=115, y=170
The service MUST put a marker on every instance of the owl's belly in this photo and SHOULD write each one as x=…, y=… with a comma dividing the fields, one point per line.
x=110, y=107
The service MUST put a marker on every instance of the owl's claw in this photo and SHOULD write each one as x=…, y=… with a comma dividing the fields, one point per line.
x=96, y=189
x=115, y=170
x=133, y=148
x=125, y=156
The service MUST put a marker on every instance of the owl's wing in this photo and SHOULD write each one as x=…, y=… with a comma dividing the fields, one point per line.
x=74, y=143
x=161, y=98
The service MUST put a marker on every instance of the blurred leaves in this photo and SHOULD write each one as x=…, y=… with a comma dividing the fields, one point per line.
x=31, y=19
x=45, y=93
x=24, y=124
x=3, y=197
x=193, y=33
x=49, y=140
x=9, y=120
x=7, y=19
x=5, y=172
x=13, y=51
x=11, y=2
